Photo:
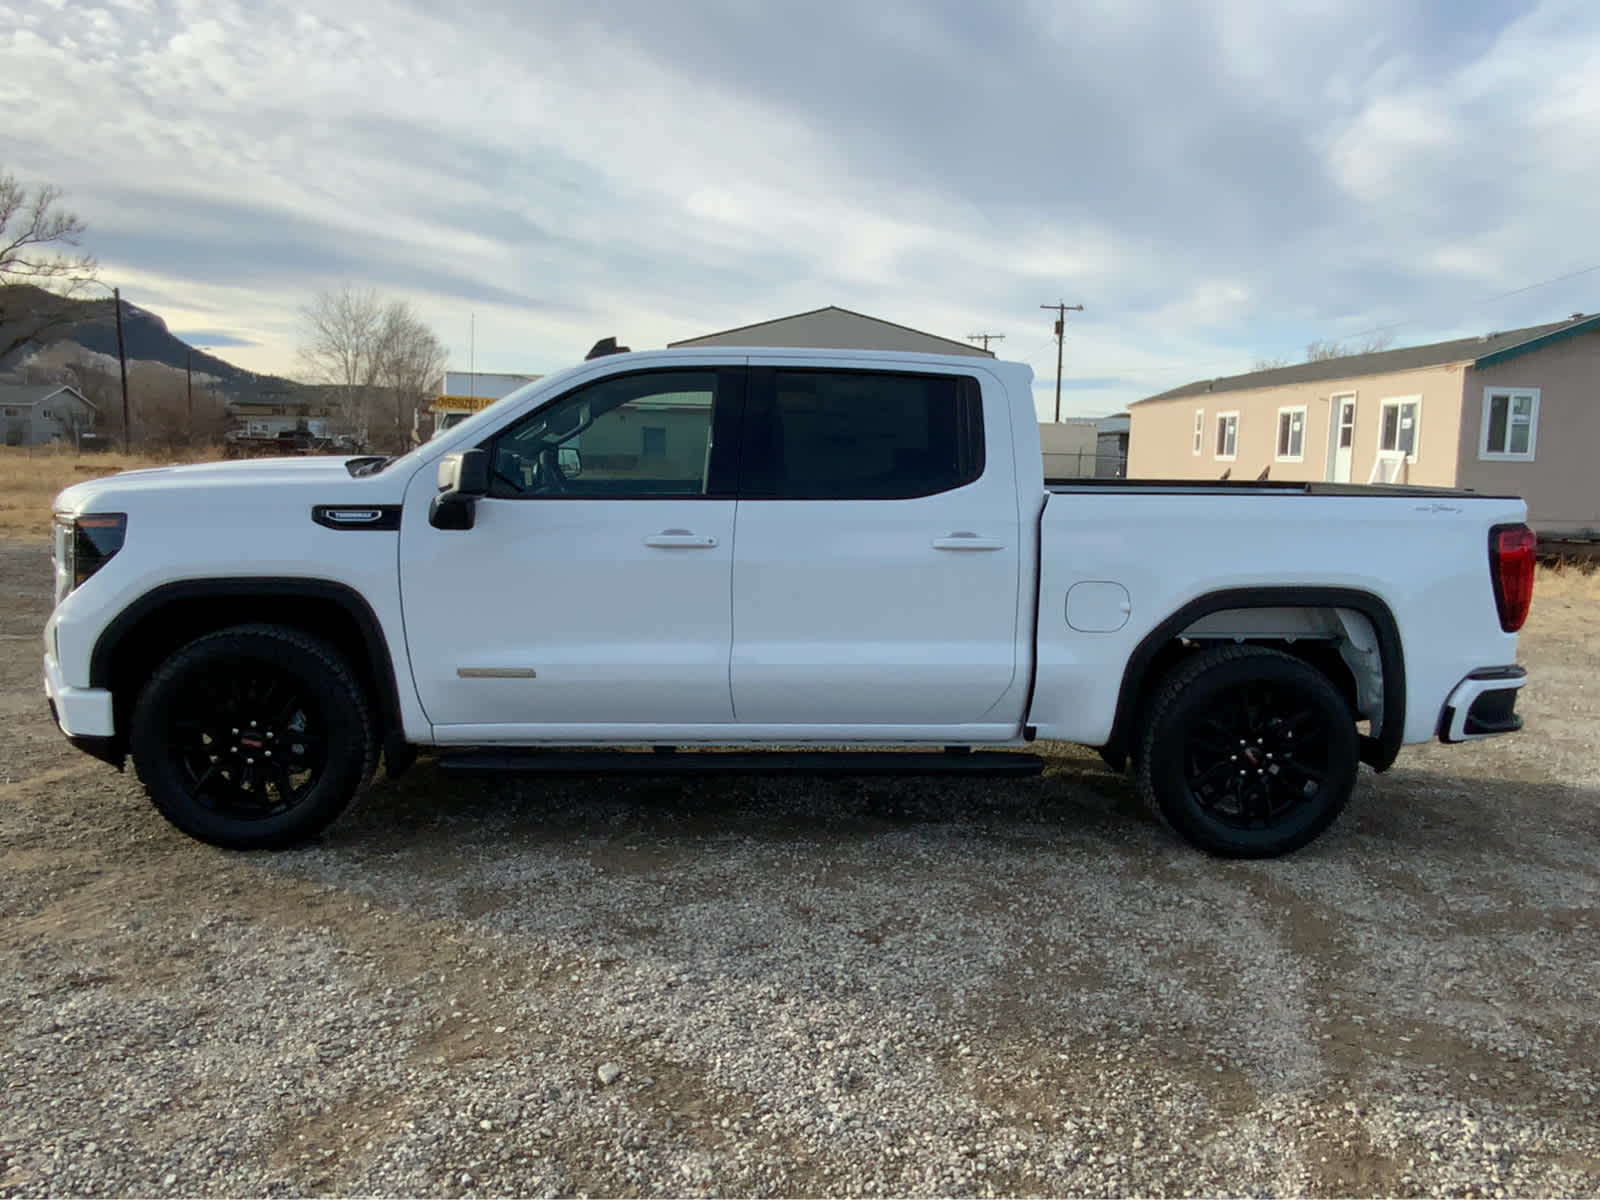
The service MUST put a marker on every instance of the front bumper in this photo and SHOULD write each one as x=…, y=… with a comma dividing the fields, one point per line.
x=1483, y=705
x=80, y=712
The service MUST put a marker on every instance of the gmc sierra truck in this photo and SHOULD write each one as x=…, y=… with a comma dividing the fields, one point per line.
x=746, y=549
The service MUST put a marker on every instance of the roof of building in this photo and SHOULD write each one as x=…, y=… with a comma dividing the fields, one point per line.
x=960, y=347
x=1479, y=351
x=25, y=395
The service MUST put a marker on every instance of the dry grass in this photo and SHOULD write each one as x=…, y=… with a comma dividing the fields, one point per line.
x=1566, y=599
x=30, y=479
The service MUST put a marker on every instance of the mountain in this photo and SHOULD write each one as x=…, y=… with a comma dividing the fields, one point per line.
x=32, y=319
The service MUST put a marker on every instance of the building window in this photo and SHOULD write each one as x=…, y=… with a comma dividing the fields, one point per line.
x=11, y=412
x=1510, y=424
x=1199, y=430
x=47, y=414
x=1227, y=435
x=1398, y=429
x=1292, y=434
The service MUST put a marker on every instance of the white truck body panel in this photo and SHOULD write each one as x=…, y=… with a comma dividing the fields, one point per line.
x=881, y=621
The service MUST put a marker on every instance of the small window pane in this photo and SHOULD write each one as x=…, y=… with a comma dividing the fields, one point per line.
x=1408, y=429
x=1498, y=412
x=1227, y=435
x=1519, y=438
x=1389, y=439
x=867, y=435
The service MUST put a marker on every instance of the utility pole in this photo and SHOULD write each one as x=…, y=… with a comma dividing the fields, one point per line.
x=1062, y=309
x=986, y=338
x=122, y=359
x=188, y=383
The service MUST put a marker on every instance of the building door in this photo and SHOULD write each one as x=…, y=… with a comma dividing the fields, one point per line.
x=1343, y=438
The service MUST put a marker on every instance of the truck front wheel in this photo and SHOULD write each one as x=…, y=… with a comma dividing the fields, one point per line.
x=254, y=737
x=1248, y=752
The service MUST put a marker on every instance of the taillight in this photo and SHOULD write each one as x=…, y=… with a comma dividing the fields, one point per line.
x=1512, y=550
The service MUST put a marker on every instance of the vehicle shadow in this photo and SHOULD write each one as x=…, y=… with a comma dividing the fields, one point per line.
x=1075, y=792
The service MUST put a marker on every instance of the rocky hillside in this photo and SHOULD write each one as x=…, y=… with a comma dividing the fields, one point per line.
x=34, y=321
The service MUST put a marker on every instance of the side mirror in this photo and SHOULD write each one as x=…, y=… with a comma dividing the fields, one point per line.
x=463, y=478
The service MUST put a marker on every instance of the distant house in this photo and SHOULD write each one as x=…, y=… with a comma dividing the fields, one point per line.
x=835, y=328
x=269, y=414
x=1070, y=447
x=41, y=414
x=1513, y=412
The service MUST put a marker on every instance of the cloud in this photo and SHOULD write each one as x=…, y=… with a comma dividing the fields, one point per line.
x=1215, y=183
x=210, y=339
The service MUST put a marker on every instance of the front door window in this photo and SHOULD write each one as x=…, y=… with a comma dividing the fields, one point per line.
x=629, y=436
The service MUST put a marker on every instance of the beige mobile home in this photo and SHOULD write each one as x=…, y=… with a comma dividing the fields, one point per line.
x=1515, y=412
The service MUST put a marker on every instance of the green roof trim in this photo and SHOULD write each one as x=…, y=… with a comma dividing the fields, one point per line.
x=1540, y=342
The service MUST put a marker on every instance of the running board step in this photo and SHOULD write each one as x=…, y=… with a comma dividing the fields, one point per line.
x=759, y=762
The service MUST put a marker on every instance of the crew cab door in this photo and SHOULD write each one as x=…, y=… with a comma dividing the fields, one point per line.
x=878, y=550
x=594, y=586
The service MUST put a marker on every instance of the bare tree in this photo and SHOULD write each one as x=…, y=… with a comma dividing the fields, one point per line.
x=379, y=356
x=33, y=231
x=410, y=361
x=165, y=418
x=1325, y=348
x=102, y=389
x=339, y=346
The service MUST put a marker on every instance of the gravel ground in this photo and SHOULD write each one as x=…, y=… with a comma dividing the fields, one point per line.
x=874, y=987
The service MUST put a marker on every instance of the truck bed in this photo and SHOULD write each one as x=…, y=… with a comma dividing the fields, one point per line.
x=1268, y=487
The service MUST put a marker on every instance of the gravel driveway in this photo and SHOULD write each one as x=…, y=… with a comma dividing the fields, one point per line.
x=817, y=987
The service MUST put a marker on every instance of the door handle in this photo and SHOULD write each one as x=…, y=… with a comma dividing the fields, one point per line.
x=680, y=539
x=963, y=540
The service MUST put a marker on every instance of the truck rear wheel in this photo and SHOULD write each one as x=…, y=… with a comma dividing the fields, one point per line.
x=254, y=737
x=1248, y=752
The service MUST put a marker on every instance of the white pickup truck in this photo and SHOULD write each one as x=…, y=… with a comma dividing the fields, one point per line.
x=742, y=549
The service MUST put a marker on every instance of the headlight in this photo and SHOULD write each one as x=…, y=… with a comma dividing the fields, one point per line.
x=84, y=544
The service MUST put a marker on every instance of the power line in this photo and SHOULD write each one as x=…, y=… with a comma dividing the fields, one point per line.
x=1517, y=291
x=1062, y=308
x=986, y=338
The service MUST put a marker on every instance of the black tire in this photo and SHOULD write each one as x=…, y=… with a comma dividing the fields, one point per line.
x=1247, y=752
x=254, y=737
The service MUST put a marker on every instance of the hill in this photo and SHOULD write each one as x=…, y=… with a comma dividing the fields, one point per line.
x=32, y=320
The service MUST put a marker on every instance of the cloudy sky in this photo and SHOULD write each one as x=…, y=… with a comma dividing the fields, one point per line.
x=1216, y=183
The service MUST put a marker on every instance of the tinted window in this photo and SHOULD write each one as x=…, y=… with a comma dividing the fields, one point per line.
x=630, y=435
x=857, y=435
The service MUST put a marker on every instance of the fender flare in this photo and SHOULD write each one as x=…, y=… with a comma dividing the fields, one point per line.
x=1378, y=750
x=350, y=601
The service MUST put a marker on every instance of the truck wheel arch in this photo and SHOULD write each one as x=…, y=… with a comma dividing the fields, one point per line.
x=1151, y=656
x=174, y=614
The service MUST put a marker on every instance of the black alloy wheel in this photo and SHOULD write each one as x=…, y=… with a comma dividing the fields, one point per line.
x=252, y=737
x=1248, y=752
x=247, y=742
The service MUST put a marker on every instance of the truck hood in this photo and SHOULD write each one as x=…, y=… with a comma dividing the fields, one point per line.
x=317, y=476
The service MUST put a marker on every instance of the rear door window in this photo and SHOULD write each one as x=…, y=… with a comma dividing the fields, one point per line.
x=860, y=435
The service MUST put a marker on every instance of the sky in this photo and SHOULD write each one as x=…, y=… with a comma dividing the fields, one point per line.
x=1215, y=183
